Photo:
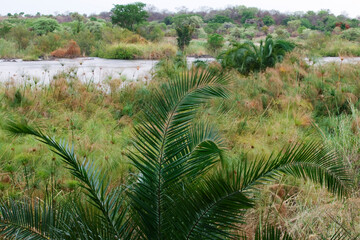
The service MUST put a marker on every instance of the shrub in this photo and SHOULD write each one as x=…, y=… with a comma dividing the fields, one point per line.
x=352, y=34
x=247, y=57
x=184, y=33
x=47, y=43
x=42, y=26
x=21, y=35
x=7, y=49
x=121, y=52
x=215, y=42
x=72, y=51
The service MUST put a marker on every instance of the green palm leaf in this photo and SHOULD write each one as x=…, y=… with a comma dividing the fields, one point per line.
x=32, y=220
x=168, y=147
x=92, y=179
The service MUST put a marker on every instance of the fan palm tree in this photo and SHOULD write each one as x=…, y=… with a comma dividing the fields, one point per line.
x=247, y=57
x=182, y=189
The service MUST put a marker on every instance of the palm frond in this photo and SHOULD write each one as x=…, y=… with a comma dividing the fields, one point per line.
x=166, y=143
x=32, y=220
x=91, y=177
x=271, y=233
x=308, y=160
x=312, y=161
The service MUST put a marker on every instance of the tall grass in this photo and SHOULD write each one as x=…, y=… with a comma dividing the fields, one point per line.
x=137, y=51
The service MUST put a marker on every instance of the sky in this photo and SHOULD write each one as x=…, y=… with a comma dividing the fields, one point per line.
x=350, y=7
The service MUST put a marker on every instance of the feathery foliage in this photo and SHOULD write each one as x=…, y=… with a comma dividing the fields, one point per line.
x=247, y=57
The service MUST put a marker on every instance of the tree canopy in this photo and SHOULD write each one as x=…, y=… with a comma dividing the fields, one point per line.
x=128, y=15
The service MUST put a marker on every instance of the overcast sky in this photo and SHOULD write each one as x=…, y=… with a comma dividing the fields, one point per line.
x=351, y=7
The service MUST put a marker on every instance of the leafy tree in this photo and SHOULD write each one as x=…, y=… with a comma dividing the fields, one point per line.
x=129, y=15
x=5, y=28
x=248, y=13
x=352, y=34
x=268, y=20
x=182, y=189
x=43, y=25
x=168, y=20
x=293, y=25
x=185, y=26
x=152, y=31
x=79, y=19
x=220, y=19
x=247, y=57
x=21, y=35
x=184, y=33
x=211, y=28
x=215, y=42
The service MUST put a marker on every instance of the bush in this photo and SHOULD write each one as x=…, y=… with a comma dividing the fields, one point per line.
x=42, y=26
x=7, y=49
x=153, y=32
x=121, y=52
x=47, y=43
x=247, y=57
x=215, y=42
x=72, y=51
x=86, y=41
x=352, y=34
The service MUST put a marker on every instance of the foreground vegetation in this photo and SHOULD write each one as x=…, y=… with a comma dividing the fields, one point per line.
x=265, y=111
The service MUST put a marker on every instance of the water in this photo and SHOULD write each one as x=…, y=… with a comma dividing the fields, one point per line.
x=324, y=60
x=87, y=69
x=96, y=69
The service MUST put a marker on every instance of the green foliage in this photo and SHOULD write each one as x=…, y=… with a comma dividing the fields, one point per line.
x=215, y=42
x=220, y=19
x=86, y=41
x=352, y=34
x=7, y=49
x=43, y=25
x=120, y=52
x=247, y=57
x=129, y=15
x=45, y=44
x=21, y=35
x=5, y=27
x=268, y=20
x=211, y=28
x=184, y=35
x=153, y=31
x=78, y=20
x=182, y=187
x=247, y=13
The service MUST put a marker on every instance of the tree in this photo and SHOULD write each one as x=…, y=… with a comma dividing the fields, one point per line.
x=220, y=19
x=42, y=26
x=268, y=20
x=184, y=34
x=79, y=19
x=129, y=15
x=21, y=35
x=215, y=42
x=182, y=188
x=185, y=26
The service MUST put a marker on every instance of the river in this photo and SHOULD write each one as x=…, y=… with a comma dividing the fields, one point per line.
x=95, y=69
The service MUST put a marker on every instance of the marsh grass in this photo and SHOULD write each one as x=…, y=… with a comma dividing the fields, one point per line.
x=267, y=110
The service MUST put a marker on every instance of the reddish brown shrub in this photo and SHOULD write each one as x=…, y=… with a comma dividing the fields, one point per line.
x=72, y=51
